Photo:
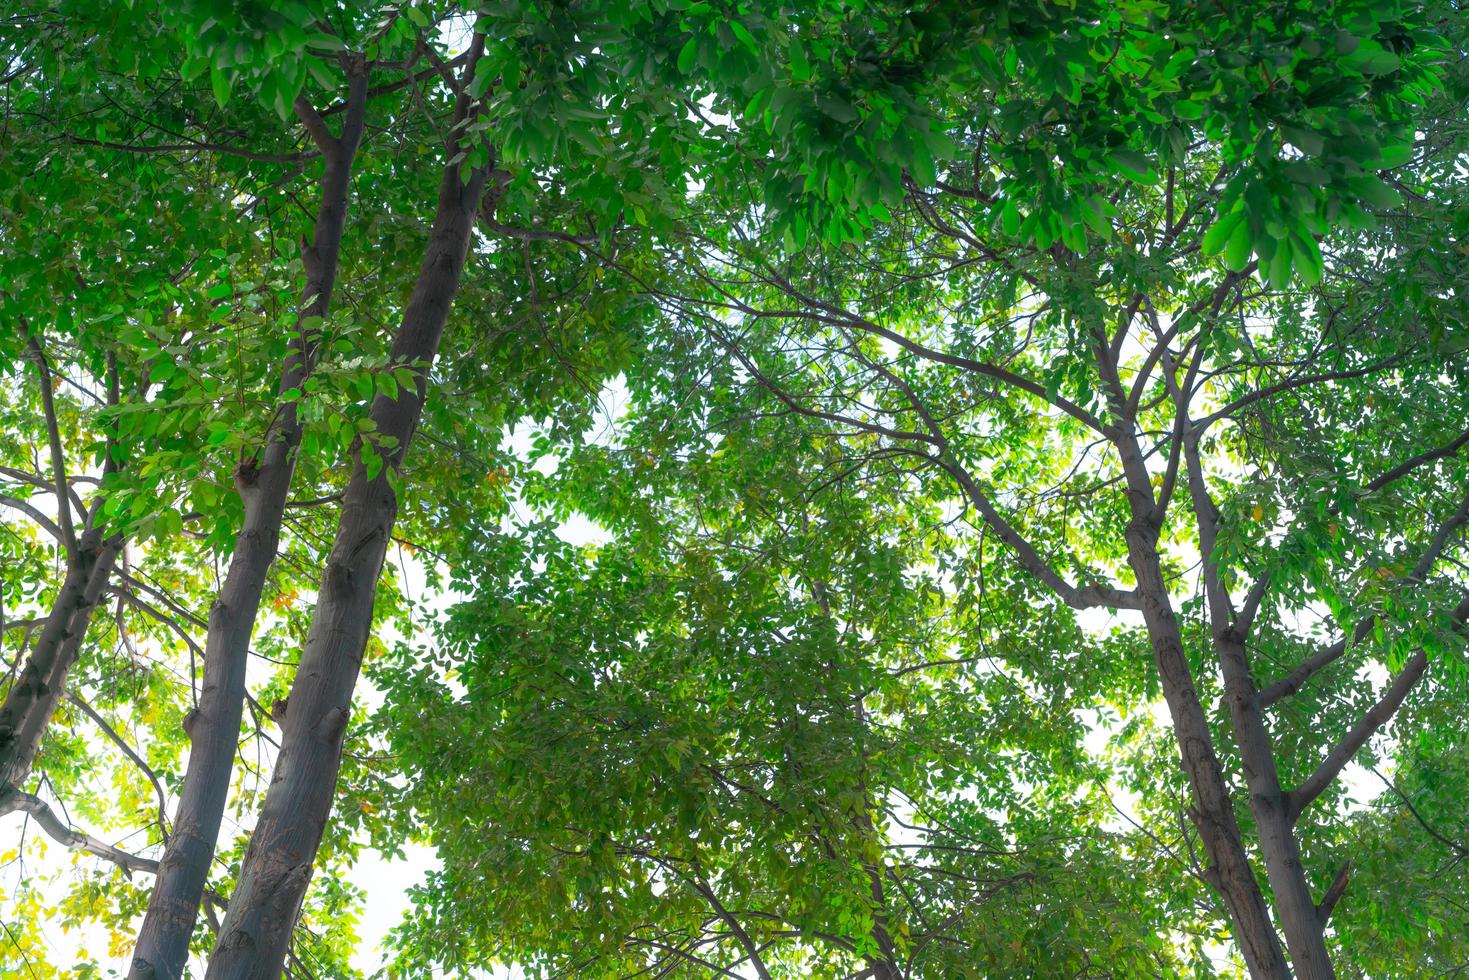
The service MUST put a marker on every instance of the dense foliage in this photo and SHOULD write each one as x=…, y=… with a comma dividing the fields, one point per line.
x=841, y=490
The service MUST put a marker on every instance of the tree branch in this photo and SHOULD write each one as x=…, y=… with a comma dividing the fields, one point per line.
x=58, y=455
x=1460, y=849
x=941, y=357
x=202, y=147
x=66, y=836
x=25, y=507
x=1409, y=465
x=1270, y=391
x=1335, y=892
x=1378, y=715
x=1292, y=682
x=1083, y=597
x=128, y=751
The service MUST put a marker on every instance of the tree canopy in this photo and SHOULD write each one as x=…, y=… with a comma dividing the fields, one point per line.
x=854, y=490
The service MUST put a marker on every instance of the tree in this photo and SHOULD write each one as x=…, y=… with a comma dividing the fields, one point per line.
x=754, y=733
x=1004, y=370
x=1014, y=305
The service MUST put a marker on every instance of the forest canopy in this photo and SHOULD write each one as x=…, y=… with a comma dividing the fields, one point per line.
x=731, y=489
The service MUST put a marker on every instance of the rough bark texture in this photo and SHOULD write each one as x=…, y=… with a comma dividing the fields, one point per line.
x=262, y=912
x=1299, y=920
x=1230, y=871
x=33, y=697
x=264, y=486
x=1305, y=938
x=1214, y=810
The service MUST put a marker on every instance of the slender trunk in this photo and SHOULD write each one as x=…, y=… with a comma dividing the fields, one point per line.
x=257, y=929
x=1299, y=918
x=1214, y=814
x=264, y=485
x=1230, y=872
x=33, y=697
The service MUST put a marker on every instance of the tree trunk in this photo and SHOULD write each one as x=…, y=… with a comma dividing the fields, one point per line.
x=33, y=697
x=277, y=868
x=1214, y=810
x=264, y=485
x=1305, y=935
x=1299, y=918
x=1230, y=872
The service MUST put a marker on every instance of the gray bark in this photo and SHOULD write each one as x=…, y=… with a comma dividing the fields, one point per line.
x=257, y=929
x=33, y=698
x=1300, y=921
x=264, y=485
x=1214, y=815
x=1230, y=871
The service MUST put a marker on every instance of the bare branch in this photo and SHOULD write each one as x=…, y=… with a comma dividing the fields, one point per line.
x=401, y=83
x=1000, y=374
x=36, y=480
x=128, y=751
x=1292, y=682
x=58, y=455
x=1378, y=715
x=1409, y=465
x=200, y=147
x=1460, y=849
x=1083, y=597
x=1270, y=391
x=66, y=836
x=31, y=511
x=1334, y=892
x=320, y=134
x=535, y=234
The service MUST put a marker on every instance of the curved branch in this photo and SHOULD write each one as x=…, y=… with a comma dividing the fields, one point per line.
x=57, y=830
x=1409, y=465
x=1083, y=597
x=25, y=507
x=1270, y=391
x=1378, y=715
x=1369, y=724
x=128, y=751
x=1292, y=682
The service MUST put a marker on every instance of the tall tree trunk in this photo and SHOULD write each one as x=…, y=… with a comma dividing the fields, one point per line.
x=1230, y=871
x=257, y=929
x=1213, y=808
x=1300, y=920
x=33, y=697
x=264, y=485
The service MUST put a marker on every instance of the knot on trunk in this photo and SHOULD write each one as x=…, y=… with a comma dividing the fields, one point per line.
x=247, y=473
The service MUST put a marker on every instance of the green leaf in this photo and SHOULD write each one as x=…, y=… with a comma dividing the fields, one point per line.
x=220, y=82
x=1308, y=259
x=1237, y=250
x=1219, y=233
x=837, y=108
x=1280, y=265
x=688, y=55
x=1134, y=166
